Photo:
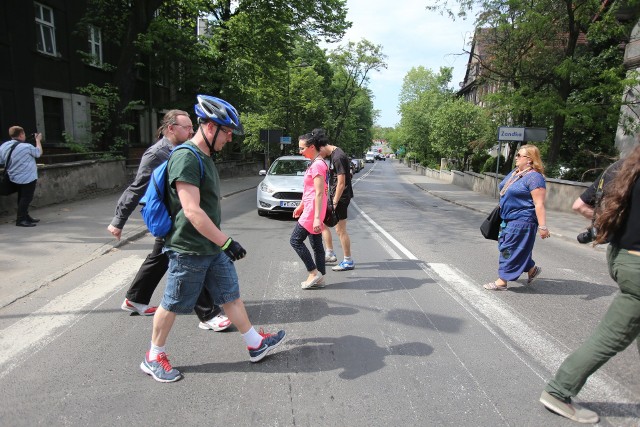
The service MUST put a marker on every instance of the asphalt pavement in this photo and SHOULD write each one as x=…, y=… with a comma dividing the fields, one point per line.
x=72, y=234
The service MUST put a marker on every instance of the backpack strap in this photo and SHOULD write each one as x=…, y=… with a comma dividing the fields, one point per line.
x=599, y=194
x=166, y=177
x=6, y=163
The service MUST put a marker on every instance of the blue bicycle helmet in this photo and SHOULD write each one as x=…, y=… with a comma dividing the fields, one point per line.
x=218, y=111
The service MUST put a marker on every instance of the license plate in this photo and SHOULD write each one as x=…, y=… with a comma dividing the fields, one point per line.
x=289, y=204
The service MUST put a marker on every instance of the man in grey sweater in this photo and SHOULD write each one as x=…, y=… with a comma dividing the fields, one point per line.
x=176, y=128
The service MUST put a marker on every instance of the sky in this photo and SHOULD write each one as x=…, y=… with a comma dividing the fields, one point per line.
x=411, y=37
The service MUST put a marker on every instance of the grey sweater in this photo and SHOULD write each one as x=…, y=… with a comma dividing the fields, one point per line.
x=152, y=158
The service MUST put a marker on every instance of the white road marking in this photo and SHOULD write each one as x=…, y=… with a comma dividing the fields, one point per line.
x=538, y=344
x=389, y=237
x=32, y=333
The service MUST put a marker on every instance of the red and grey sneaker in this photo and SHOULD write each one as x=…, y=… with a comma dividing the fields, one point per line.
x=141, y=309
x=160, y=369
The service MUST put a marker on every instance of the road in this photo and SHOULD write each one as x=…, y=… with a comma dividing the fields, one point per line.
x=407, y=338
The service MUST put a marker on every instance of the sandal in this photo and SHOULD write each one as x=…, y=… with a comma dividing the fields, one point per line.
x=536, y=272
x=491, y=286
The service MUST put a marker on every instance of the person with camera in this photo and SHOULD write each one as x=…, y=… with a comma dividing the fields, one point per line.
x=589, y=201
x=22, y=169
x=523, y=214
x=619, y=224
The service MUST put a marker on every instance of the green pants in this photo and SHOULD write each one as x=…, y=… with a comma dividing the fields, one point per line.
x=619, y=327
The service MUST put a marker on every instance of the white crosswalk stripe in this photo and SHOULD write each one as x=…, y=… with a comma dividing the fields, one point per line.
x=482, y=305
x=32, y=333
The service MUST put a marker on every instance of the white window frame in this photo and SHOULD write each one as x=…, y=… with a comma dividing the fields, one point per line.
x=44, y=27
x=95, y=45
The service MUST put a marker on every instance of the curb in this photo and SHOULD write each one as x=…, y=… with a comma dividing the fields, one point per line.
x=133, y=235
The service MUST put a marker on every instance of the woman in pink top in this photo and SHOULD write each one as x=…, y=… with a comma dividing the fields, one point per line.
x=311, y=211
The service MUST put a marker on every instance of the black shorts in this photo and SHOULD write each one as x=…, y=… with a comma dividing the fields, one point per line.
x=341, y=208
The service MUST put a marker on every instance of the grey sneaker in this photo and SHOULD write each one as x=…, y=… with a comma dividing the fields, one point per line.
x=568, y=410
x=330, y=258
x=160, y=369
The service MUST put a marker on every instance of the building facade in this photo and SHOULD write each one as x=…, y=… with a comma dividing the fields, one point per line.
x=48, y=56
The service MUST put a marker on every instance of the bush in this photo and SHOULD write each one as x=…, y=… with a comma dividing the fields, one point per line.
x=478, y=160
x=490, y=164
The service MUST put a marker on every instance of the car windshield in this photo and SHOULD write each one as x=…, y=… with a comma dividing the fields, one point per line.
x=283, y=167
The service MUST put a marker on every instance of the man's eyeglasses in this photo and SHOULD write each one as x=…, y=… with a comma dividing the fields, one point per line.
x=227, y=131
x=189, y=127
x=521, y=155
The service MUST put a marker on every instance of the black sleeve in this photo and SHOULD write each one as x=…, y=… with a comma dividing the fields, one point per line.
x=589, y=195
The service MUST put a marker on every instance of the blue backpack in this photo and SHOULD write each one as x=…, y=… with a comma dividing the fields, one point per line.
x=155, y=209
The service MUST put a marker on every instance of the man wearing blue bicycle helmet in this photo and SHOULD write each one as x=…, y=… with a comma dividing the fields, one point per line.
x=200, y=254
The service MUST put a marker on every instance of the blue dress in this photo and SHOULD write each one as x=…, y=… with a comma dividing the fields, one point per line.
x=519, y=225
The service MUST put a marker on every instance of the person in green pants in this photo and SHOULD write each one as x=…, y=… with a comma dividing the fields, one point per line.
x=619, y=224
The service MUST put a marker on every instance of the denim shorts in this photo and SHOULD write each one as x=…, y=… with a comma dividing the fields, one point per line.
x=188, y=274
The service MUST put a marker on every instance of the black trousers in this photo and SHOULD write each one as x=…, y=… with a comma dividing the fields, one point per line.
x=149, y=275
x=25, y=196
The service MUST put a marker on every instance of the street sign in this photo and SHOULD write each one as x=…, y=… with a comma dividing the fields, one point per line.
x=510, y=134
x=535, y=134
x=285, y=140
x=270, y=135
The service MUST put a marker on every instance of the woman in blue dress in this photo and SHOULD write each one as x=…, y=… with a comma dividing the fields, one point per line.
x=522, y=194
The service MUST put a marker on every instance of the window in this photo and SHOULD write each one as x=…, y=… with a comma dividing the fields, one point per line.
x=53, y=118
x=95, y=45
x=45, y=30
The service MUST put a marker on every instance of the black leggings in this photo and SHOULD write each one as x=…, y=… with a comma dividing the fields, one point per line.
x=298, y=236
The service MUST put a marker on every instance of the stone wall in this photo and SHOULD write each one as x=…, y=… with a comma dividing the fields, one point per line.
x=560, y=194
x=64, y=182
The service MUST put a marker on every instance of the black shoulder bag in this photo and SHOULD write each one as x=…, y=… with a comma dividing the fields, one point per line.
x=330, y=217
x=7, y=187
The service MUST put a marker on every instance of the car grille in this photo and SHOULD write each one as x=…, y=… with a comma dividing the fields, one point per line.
x=288, y=196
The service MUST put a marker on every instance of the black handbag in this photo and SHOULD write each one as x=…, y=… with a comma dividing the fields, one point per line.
x=330, y=216
x=490, y=227
x=7, y=187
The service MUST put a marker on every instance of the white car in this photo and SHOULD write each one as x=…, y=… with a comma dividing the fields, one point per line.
x=281, y=189
x=370, y=157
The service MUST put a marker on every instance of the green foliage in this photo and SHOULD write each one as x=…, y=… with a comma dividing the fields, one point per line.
x=458, y=126
x=477, y=161
x=547, y=76
x=73, y=146
x=490, y=164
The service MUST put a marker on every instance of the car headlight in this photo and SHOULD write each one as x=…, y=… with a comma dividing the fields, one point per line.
x=265, y=188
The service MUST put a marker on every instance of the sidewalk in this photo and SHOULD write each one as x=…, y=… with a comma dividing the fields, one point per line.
x=563, y=225
x=67, y=237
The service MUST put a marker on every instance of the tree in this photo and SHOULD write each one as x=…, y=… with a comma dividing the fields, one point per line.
x=352, y=64
x=457, y=127
x=557, y=65
x=423, y=93
x=248, y=41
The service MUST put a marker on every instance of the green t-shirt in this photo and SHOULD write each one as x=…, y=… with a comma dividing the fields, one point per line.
x=184, y=166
